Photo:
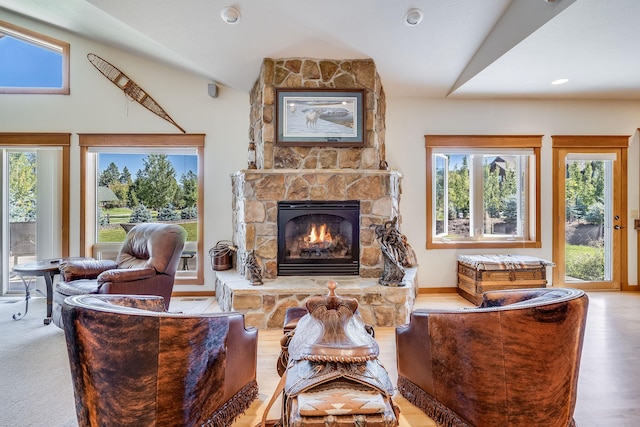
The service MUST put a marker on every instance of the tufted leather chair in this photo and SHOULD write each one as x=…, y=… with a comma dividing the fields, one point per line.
x=134, y=364
x=146, y=265
x=512, y=361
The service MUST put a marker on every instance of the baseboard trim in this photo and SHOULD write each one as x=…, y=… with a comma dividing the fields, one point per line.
x=447, y=290
x=193, y=294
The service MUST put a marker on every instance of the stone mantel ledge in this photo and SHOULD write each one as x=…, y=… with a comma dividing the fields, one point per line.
x=261, y=172
x=264, y=306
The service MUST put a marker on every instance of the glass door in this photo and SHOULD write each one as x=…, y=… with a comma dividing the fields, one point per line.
x=31, y=222
x=21, y=210
x=589, y=225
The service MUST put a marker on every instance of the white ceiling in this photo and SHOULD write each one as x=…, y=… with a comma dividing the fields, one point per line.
x=461, y=49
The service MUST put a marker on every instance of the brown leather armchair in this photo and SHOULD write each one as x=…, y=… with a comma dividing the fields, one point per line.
x=512, y=361
x=134, y=364
x=146, y=265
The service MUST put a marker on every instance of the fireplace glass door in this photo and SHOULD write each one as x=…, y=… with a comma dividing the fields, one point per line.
x=318, y=238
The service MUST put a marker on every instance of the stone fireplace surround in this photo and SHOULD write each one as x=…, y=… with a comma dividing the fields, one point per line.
x=296, y=173
x=257, y=193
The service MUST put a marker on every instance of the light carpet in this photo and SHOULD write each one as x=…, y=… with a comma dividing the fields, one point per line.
x=35, y=379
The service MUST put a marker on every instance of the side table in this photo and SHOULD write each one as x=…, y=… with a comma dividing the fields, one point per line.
x=185, y=257
x=27, y=272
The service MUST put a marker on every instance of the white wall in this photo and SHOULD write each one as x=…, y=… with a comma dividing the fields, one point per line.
x=408, y=120
x=95, y=105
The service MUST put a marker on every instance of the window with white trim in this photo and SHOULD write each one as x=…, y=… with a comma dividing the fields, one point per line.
x=32, y=62
x=482, y=191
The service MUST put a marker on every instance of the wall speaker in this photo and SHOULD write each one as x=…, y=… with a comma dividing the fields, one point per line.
x=212, y=89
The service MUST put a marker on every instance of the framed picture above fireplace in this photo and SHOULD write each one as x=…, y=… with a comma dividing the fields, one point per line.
x=320, y=117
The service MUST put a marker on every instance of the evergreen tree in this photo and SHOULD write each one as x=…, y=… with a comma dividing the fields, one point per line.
x=168, y=213
x=155, y=183
x=109, y=176
x=572, y=188
x=584, y=188
x=125, y=176
x=491, y=192
x=511, y=210
x=189, y=213
x=595, y=213
x=459, y=188
x=103, y=219
x=178, y=198
x=189, y=182
x=140, y=214
x=22, y=187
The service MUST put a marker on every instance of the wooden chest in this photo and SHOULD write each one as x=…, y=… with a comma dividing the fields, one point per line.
x=481, y=273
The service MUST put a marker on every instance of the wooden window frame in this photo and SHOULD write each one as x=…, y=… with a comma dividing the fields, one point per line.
x=46, y=41
x=533, y=142
x=87, y=141
x=63, y=141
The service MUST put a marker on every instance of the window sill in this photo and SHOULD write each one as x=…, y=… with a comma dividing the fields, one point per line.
x=484, y=244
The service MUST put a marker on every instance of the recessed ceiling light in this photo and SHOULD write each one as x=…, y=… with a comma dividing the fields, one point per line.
x=559, y=81
x=230, y=15
x=413, y=17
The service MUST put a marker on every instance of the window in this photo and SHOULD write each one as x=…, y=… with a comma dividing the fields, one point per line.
x=129, y=179
x=483, y=191
x=31, y=62
x=34, y=176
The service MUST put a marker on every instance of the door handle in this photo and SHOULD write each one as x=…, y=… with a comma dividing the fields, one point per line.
x=617, y=227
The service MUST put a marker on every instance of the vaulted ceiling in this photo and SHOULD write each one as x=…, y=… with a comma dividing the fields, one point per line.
x=460, y=49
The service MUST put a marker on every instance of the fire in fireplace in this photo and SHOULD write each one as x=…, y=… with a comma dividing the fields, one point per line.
x=318, y=238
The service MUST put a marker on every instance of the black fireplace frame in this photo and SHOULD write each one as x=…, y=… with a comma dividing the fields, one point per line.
x=347, y=209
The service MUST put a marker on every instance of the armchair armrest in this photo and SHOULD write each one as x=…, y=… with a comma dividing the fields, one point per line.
x=120, y=275
x=84, y=268
x=125, y=303
x=500, y=298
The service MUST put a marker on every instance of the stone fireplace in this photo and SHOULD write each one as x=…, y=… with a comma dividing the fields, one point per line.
x=314, y=176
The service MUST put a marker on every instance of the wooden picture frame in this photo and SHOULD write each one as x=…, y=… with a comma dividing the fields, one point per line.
x=320, y=117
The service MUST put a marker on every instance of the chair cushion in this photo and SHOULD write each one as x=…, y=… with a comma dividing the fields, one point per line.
x=78, y=287
x=86, y=268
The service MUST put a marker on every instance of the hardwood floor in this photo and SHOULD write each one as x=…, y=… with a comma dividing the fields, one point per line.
x=609, y=383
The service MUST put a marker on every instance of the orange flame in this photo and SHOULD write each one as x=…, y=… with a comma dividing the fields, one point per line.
x=324, y=236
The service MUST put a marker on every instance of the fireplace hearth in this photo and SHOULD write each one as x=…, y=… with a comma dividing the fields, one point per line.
x=318, y=237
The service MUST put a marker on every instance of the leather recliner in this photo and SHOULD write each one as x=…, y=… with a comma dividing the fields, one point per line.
x=512, y=361
x=134, y=364
x=146, y=265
